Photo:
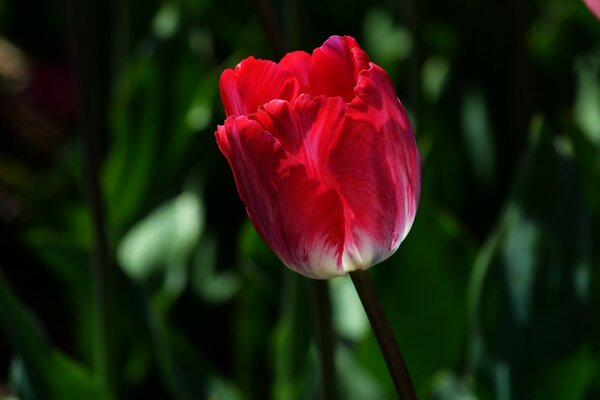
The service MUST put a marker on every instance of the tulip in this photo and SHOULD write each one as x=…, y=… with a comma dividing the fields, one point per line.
x=323, y=155
x=594, y=6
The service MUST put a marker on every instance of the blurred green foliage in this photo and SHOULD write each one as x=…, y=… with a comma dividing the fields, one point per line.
x=495, y=293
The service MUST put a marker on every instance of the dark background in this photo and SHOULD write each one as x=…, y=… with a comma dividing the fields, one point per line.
x=495, y=293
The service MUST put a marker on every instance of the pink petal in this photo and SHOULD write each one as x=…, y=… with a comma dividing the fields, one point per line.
x=594, y=6
x=253, y=83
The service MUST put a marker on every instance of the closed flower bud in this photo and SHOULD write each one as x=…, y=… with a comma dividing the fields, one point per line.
x=323, y=155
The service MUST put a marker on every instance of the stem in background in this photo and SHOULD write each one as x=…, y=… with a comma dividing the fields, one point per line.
x=414, y=75
x=88, y=20
x=321, y=304
x=385, y=336
x=271, y=27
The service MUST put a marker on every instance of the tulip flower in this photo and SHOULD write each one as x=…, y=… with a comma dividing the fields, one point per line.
x=594, y=6
x=324, y=157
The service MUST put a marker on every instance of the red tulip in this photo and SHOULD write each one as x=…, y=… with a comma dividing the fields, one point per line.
x=594, y=6
x=323, y=155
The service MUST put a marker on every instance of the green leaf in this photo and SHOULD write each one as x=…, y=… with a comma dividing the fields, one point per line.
x=478, y=135
x=185, y=374
x=349, y=318
x=291, y=339
x=135, y=120
x=45, y=373
x=587, y=101
x=355, y=381
x=568, y=378
x=163, y=241
x=533, y=276
x=210, y=285
x=446, y=385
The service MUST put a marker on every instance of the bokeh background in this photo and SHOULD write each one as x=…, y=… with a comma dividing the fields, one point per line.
x=495, y=293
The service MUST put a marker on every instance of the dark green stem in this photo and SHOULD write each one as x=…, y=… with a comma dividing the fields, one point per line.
x=321, y=303
x=385, y=336
x=270, y=26
x=90, y=51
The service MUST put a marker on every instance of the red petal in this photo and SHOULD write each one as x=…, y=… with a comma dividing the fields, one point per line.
x=298, y=63
x=253, y=83
x=307, y=130
x=299, y=218
x=380, y=182
x=335, y=67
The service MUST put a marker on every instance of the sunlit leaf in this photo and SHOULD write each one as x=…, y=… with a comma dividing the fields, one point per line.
x=587, y=101
x=478, y=135
x=349, y=318
x=448, y=386
x=387, y=42
x=166, y=20
x=163, y=241
x=434, y=76
x=356, y=382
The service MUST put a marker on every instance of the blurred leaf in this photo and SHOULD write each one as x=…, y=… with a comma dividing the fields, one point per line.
x=194, y=92
x=478, y=135
x=434, y=76
x=257, y=261
x=220, y=389
x=355, y=381
x=136, y=119
x=256, y=304
x=290, y=340
x=68, y=261
x=252, y=325
x=349, y=318
x=533, y=276
x=446, y=385
x=45, y=373
x=386, y=42
x=163, y=241
x=210, y=285
x=166, y=20
x=568, y=378
x=544, y=36
x=186, y=375
x=167, y=235
x=587, y=102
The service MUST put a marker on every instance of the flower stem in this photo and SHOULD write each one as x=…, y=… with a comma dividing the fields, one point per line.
x=266, y=14
x=385, y=336
x=321, y=304
x=90, y=52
